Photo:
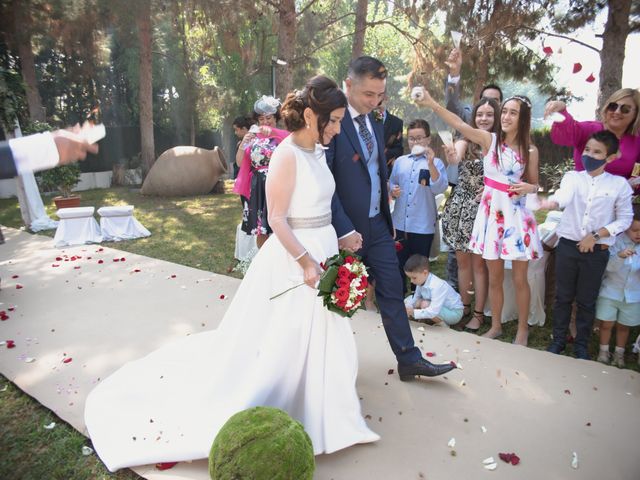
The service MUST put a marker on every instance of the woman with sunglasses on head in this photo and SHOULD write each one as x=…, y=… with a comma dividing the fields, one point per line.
x=619, y=115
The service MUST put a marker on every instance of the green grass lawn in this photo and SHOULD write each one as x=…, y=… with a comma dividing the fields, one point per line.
x=194, y=231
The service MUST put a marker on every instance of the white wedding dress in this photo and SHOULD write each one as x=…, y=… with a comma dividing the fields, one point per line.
x=290, y=353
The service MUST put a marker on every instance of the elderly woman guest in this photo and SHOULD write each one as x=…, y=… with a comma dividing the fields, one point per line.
x=254, y=155
x=619, y=115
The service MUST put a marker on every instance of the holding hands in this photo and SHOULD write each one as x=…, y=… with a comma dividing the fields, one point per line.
x=626, y=253
x=351, y=243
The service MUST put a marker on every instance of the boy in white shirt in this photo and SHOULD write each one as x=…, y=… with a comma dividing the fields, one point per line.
x=434, y=299
x=619, y=299
x=597, y=207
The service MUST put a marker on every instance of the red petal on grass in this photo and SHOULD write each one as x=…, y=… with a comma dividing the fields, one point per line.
x=76, y=267
x=100, y=261
x=137, y=270
x=505, y=457
x=591, y=79
x=11, y=344
x=390, y=372
x=515, y=459
x=54, y=265
x=88, y=258
x=547, y=51
x=430, y=354
x=567, y=391
x=11, y=309
x=18, y=286
x=223, y=296
x=4, y=316
x=122, y=259
x=577, y=67
x=67, y=360
x=173, y=276
x=166, y=465
x=100, y=249
x=116, y=259
x=14, y=276
x=588, y=424
x=58, y=259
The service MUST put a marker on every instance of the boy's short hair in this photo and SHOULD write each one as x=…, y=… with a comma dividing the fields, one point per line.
x=416, y=263
x=243, y=121
x=636, y=212
x=608, y=139
x=420, y=123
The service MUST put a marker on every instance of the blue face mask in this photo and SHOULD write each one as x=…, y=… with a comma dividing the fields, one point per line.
x=591, y=164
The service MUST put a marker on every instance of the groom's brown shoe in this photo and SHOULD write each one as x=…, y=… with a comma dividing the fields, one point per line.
x=423, y=367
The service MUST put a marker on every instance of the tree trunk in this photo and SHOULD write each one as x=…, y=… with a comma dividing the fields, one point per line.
x=23, y=26
x=360, y=29
x=286, y=47
x=145, y=100
x=614, y=40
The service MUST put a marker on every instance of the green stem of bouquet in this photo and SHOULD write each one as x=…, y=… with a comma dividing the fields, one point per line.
x=282, y=293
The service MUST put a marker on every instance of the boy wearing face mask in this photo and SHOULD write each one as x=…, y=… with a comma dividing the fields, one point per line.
x=414, y=182
x=597, y=207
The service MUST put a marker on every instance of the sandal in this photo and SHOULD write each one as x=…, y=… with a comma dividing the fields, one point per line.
x=478, y=316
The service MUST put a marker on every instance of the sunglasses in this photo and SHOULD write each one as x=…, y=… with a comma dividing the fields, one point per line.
x=624, y=109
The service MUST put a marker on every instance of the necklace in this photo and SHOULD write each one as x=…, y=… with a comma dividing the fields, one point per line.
x=304, y=149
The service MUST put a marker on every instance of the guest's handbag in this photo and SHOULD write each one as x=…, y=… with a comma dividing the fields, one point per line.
x=424, y=177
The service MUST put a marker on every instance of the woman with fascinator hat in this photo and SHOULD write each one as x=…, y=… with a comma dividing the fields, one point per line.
x=504, y=228
x=256, y=149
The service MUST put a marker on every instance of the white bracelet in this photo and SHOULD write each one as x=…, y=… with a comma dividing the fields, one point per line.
x=301, y=255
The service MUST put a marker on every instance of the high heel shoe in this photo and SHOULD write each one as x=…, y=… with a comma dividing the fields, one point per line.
x=478, y=316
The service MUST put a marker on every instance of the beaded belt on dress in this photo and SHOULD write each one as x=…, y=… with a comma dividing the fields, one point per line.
x=310, y=222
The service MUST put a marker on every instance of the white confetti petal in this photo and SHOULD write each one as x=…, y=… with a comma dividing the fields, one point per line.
x=50, y=426
x=421, y=329
x=605, y=372
x=488, y=461
x=463, y=383
x=491, y=466
x=87, y=450
x=483, y=429
x=3, y=343
x=29, y=359
x=466, y=350
x=452, y=443
x=574, y=460
x=628, y=393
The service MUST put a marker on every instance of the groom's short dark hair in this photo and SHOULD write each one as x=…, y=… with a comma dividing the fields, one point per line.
x=367, y=67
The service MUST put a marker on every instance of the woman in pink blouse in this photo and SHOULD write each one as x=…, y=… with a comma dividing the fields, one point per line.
x=620, y=116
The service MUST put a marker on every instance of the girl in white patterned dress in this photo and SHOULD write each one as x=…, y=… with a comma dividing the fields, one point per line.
x=504, y=228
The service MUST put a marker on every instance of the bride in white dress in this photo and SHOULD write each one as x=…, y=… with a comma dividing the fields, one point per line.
x=290, y=352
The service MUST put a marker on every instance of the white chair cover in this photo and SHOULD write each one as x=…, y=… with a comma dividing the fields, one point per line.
x=535, y=275
x=118, y=223
x=39, y=218
x=245, y=244
x=76, y=227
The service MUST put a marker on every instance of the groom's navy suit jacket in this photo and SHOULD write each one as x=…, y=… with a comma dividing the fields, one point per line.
x=351, y=202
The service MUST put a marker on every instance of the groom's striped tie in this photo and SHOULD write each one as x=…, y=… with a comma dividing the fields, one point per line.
x=365, y=134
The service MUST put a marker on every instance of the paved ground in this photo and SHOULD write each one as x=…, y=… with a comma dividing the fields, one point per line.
x=540, y=406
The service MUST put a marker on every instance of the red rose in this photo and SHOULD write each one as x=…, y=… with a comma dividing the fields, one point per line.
x=343, y=282
x=349, y=259
x=399, y=246
x=342, y=294
x=364, y=283
x=343, y=272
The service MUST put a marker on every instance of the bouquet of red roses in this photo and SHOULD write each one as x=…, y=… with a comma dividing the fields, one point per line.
x=343, y=285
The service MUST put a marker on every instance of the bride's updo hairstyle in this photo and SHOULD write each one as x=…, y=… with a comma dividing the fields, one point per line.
x=321, y=95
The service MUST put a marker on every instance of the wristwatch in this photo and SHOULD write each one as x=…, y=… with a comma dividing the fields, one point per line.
x=596, y=235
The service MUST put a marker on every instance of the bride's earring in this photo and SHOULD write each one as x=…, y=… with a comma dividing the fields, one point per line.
x=308, y=126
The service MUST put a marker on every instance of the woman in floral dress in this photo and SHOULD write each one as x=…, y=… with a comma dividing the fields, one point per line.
x=504, y=229
x=257, y=147
x=461, y=208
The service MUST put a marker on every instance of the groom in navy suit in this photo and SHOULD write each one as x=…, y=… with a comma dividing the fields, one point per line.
x=360, y=209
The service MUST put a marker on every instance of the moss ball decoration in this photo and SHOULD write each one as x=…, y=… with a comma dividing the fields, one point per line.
x=262, y=443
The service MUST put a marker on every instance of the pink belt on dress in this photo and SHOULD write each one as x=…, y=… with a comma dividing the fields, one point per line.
x=503, y=187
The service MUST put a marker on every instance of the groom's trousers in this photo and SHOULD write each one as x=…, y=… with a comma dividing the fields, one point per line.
x=379, y=255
